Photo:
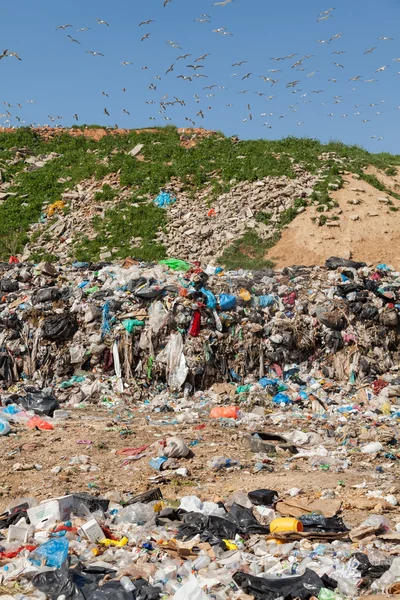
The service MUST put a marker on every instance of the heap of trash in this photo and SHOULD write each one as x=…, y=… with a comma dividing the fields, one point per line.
x=82, y=547
x=297, y=366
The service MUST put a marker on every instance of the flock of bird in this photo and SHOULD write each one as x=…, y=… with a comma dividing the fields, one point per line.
x=291, y=73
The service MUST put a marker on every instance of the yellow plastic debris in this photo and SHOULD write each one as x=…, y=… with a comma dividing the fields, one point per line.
x=52, y=208
x=230, y=545
x=245, y=294
x=117, y=543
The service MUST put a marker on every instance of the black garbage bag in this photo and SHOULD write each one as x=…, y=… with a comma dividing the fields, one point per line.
x=40, y=403
x=245, y=520
x=335, y=263
x=78, y=583
x=9, y=285
x=211, y=529
x=46, y=295
x=301, y=586
x=6, y=372
x=263, y=497
x=368, y=571
x=11, y=322
x=59, y=327
x=317, y=522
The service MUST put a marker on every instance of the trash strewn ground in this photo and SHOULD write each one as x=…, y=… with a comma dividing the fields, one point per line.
x=172, y=431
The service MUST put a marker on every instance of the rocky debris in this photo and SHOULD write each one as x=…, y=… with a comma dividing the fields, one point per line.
x=201, y=229
x=57, y=231
x=37, y=162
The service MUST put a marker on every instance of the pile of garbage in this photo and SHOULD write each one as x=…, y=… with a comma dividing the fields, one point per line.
x=173, y=323
x=296, y=366
x=146, y=547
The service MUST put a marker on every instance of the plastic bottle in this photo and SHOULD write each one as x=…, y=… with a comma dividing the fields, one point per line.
x=201, y=562
x=127, y=584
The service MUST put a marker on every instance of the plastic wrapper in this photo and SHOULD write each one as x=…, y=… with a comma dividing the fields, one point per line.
x=302, y=587
x=40, y=402
x=59, y=327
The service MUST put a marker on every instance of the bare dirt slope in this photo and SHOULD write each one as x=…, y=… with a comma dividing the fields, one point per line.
x=366, y=227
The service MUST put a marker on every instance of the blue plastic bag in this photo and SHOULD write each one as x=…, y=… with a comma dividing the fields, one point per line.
x=265, y=381
x=164, y=199
x=105, y=325
x=227, y=301
x=11, y=409
x=266, y=300
x=4, y=427
x=52, y=553
x=211, y=299
x=281, y=398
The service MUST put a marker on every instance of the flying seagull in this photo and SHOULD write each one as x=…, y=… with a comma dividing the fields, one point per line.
x=146, y=22
x=94, y=53
x=100, y=22
x=63, y=26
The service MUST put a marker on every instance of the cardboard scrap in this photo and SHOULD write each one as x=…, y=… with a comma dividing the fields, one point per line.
x=289, y=507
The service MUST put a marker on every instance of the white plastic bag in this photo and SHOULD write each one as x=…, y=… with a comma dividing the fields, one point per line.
x=174, y=447
x=190, y=591
x=176, y=363
x=157, y=316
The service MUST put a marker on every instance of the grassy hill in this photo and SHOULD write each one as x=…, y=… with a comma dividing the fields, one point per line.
x=211, y=162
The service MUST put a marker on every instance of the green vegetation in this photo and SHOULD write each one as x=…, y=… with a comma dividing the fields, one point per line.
x=217, y=160
x=107, y=193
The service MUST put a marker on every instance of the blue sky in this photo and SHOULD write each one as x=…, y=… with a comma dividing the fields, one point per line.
x=63, y=79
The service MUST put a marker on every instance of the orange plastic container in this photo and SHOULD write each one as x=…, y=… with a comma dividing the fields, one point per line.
x=225, y=412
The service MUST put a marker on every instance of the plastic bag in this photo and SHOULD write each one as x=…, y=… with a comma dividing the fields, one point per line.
x=59, y=327
x=175, y=264
x=51, y=554
x=190, y=591
x=194, y=329
x=245, y=521
x=6, y=363
x=227, y=301
x=37, y=423
x=335, y=263
x=303, y=586
x=8, y=285
x=176, y=363
x=40, y=403
x=4, y=427
x=211, y=299
x=131, y=324
x=281, y=398
x=46, y=295
x=174, y=447
x=158, y=316
x=164, y=199
x=77, y=354
x=225, y=412
x=265, y=301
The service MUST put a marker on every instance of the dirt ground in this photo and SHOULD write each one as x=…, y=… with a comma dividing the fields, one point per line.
x=366, y=228
x=28, y=457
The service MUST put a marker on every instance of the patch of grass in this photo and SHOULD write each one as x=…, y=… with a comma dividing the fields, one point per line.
x=391, y=171
x=263, y=217
x=248, y=252
x=287, y=216
x=43, y=256
x=117, y=229
x=107, y=193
